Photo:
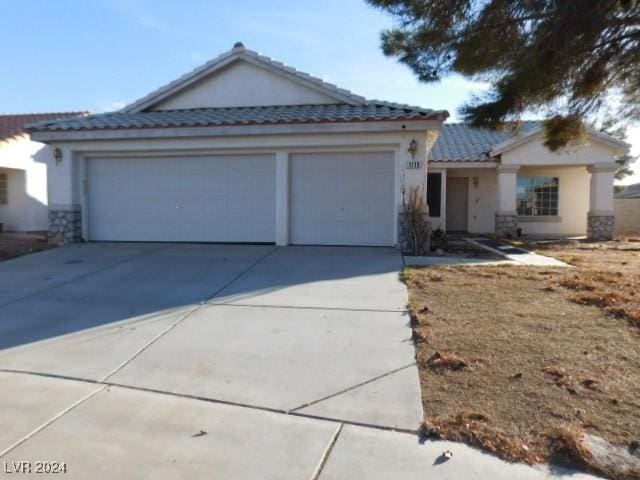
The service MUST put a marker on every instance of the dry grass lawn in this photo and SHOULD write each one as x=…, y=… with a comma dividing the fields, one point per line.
x=518, y=360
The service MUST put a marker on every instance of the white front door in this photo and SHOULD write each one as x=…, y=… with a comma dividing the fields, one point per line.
x=342, y=199
x=182, y=199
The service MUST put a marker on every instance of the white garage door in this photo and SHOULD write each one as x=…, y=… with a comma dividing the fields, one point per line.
x=192, y=199
x=342, y=199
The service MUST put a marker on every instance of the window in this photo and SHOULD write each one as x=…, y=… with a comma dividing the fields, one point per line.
x=537, y=196
x=4, y=192
x=434, y=191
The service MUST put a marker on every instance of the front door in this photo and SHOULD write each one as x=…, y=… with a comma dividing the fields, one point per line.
x=457, y=203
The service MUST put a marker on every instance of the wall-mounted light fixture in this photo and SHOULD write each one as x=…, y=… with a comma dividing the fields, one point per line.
x=413, y=148
x=57, y=155
x=476, y=181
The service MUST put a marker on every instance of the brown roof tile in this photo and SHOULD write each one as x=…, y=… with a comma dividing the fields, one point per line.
x=12, y=125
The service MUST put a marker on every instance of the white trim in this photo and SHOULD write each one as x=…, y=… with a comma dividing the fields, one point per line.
x=84, y=197
x=254, y=58
x=539, y=218
x=397, y=194
x=283, y=163
x=508, y=169
x=237, y=130
x=445, y=165
x=603, y=168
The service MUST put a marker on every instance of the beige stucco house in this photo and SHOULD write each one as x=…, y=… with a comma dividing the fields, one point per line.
x=247, y=149
x=510, y=183
x=23, y=173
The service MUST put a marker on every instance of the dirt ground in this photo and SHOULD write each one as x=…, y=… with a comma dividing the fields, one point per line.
x=521, y=360
x=17, y=244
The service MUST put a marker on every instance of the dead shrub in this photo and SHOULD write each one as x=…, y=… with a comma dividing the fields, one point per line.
x=435, y=277
x=415, y=211
x=566, y=445
x=598, y=299
x=442, y=362
x=556, y=373
x=475, y=429
x=421, y=334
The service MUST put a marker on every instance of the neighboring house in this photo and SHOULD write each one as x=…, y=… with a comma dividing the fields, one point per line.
x=246, y=149
x=508, y=182
x=627, y=208
x=23, y=173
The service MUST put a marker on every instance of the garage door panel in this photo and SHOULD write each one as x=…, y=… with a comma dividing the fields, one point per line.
x=343, y=198
x=217, y=199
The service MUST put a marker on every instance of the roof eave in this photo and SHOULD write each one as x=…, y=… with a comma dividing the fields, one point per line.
x=370, y=126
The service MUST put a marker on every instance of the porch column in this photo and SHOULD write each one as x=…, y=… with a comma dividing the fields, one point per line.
x=600, y=218
x=65, y=219
x=506, y=214
x=282, y=198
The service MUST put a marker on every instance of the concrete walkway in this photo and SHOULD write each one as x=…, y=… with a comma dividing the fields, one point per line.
x=201, y=361
x=515, y=254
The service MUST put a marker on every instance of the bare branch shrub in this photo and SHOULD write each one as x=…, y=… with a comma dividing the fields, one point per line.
x=415, y=212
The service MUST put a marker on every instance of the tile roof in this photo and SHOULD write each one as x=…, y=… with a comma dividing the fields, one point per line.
x=459, y=142
x=632, y=191
x=12, y=125
x=373, y=111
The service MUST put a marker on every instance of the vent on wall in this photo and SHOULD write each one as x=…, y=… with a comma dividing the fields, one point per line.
x=414, y=165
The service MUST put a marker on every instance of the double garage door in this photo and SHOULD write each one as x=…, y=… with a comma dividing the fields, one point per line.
x=335, y=199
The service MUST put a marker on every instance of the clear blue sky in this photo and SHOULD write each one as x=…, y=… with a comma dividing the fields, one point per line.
x=98, y=55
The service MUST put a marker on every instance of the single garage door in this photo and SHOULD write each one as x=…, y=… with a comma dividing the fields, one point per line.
x=342, y=199
x=182, y=199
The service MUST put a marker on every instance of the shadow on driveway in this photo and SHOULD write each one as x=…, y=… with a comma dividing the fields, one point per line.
x=84, y=286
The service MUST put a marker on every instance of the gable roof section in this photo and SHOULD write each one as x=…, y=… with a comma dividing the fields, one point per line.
x=459, y=142
x=240, y=53
x=536, y=132
x=287, y=114
x=14, y=125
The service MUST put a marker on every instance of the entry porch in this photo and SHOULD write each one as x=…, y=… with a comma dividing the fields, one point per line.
x=513, y=200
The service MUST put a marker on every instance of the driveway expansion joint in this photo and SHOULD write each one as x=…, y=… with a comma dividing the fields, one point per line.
x=182, y=318
x=327, y=452
x=51, y=420
x=302, y=307
x=353, y=387
x=104, y=384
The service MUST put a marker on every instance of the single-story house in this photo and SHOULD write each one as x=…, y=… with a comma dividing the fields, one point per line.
x=627, y=208
x=23, y=173
x=483, y=181
x=247, y=149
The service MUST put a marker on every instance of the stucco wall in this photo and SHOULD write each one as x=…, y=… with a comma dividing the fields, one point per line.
x=482, y=199
x=627, y=215
x=573, y=201
x=66, y=179
x=244, y=85
x=535, y=153
x=483, y=202
x=25, y=163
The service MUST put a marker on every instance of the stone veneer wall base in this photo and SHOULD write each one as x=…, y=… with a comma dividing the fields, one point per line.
x=506, y=225
x=600, y=227
x=405, y=244
x=65, y=226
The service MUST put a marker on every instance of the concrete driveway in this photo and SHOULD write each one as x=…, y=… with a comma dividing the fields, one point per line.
x=223, y=361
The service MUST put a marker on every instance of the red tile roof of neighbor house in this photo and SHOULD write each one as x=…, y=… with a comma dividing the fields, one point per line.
x=13, y=124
